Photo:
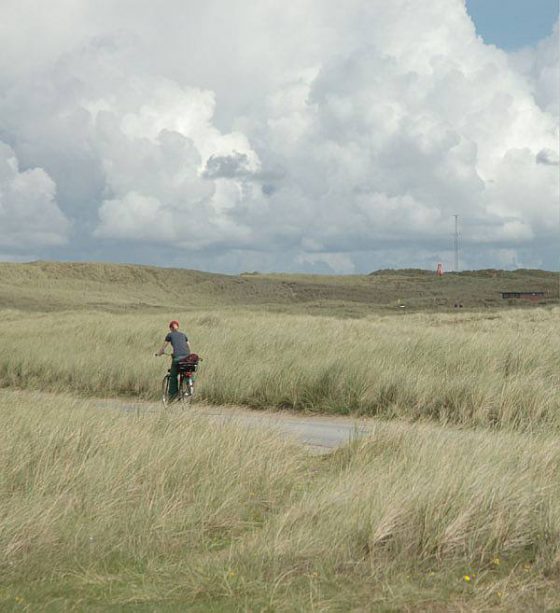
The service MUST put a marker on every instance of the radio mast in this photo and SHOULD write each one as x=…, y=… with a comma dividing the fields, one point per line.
x=456, y=242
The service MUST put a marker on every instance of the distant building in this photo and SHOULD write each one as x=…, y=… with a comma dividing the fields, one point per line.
x=530, y=296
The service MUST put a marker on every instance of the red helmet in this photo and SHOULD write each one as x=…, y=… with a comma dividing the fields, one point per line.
x=173, y=323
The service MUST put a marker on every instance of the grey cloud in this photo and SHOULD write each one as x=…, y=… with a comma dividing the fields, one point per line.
x=29, y=214
x=231, y=166
x=548, y=157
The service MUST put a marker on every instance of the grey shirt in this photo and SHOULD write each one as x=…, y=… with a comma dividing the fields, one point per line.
x=179, y=342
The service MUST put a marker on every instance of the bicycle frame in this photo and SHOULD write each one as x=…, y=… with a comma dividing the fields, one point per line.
x=185, y=384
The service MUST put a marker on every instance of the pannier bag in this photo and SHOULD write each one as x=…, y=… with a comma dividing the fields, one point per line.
x=189, y=364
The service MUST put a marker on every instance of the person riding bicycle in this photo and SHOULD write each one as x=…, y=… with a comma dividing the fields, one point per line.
x=181, y=350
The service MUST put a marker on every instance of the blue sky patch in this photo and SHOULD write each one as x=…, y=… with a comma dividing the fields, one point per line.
x=512, y=24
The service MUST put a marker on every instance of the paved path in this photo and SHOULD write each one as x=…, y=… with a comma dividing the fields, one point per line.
x=322, y=434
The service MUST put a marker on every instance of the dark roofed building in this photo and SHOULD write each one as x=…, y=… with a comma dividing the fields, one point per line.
x=530, y=296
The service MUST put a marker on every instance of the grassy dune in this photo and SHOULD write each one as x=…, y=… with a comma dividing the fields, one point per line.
x=164, y=512
x=452, y=504
x=501, y=369
x=52, y=286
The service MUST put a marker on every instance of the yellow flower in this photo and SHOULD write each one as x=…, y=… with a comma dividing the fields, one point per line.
x=496, y=561
x=467, y=578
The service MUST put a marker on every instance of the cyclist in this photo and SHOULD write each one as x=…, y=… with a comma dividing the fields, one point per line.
x=181, y=349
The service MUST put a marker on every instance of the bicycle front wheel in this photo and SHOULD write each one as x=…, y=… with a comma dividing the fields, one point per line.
x=165, y=390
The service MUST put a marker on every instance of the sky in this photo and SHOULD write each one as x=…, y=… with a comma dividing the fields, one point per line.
x=513, y=24
x=315, y=136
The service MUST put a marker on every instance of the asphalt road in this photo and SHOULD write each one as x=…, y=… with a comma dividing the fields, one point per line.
x=322, y=434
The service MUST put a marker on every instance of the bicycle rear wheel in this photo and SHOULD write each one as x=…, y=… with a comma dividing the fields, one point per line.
x=190, y=384
x=186, y=389
x=165, y=390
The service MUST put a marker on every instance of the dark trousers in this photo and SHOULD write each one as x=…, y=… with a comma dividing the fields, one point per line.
x=173, y=381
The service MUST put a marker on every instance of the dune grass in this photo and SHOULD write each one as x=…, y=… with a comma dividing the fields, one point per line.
x=452, y=503
x=498, y=370
x=52, y=286
x=164, y=511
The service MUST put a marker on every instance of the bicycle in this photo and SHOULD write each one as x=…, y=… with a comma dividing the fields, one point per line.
x=186, y=378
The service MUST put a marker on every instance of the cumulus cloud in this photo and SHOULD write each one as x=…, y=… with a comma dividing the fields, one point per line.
x=29, y=215
x=314, y=136
x=539, y=65
x=173, y=177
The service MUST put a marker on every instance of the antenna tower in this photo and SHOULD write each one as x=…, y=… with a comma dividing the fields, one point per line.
x=456, y=242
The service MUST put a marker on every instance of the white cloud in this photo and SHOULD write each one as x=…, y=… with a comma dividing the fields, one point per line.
x=173, y=177
x=309, y=134
x=539, y=66
x=339, y=263
x=29, y=215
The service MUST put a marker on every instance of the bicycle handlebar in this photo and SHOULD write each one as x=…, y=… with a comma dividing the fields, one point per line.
x=169, y=355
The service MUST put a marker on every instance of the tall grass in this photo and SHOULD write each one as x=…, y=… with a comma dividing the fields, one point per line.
x=498, y=370
x=103, y=508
